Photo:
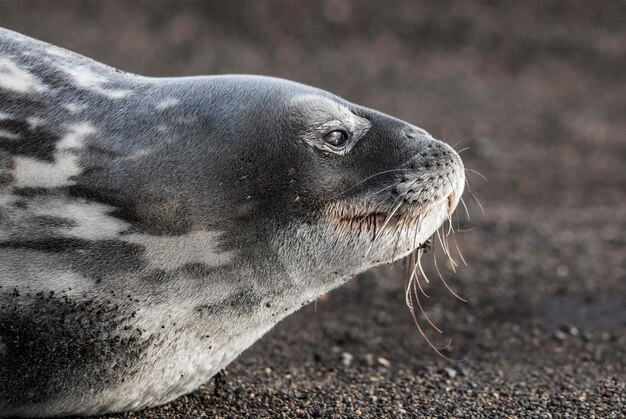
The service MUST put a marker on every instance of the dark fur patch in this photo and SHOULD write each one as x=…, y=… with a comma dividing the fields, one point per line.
x=55, y=245
x=124, y=209
x=35, y=142
x=48, y=338
x=198, y=270
x=108, y=257
x=157, y=217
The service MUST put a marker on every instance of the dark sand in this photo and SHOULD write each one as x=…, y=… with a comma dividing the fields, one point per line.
x=539, y=94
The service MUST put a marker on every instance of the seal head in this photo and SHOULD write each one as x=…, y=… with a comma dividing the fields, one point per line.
x=151, y=229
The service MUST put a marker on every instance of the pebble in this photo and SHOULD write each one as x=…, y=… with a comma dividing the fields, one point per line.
x=346, y=359
x=384, y=362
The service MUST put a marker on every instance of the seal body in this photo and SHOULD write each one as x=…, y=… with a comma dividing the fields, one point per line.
x=151, y=229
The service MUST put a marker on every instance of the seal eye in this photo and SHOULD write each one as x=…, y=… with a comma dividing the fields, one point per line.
x=336, y=138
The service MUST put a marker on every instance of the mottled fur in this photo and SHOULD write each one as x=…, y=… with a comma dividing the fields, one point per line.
x=151, y=229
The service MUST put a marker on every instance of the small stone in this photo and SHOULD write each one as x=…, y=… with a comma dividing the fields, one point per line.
x=383, y=361
x=560, y=335
x=562, y=271
x=346, y=359
x=450, y=371
x=572, y=330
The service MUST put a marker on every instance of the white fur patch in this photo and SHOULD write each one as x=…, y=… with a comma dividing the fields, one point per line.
x=62, y=282
x=14, y=78
x=8, y=135
x=138, y=154
x=7, y=199
x=34, y=122
x=167, y=103
x=72, y=107
x=172, y=252
x=114, y=94
x=92, y=220
x=57, y=52
x=84, y=77
x=87, y=79
x=31, y=172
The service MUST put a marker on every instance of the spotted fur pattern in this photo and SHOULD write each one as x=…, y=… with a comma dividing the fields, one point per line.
x=152, y=229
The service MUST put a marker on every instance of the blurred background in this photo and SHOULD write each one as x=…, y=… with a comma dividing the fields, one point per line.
x=536, y=90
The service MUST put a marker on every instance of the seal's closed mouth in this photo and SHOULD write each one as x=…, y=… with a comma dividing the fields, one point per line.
x=364, y=218
x=369, y=222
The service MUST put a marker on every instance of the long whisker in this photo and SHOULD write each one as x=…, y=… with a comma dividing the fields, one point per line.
x=387, y=220
x=368, y=178
x=416, y=276
x=373, y=194
x=424, y=312
x=459, y=250
x=478, y=173
x=434, y=348
x=444, y=281
x=478, y=202
x=390, y=216
x=374, y=209
x=466, y=210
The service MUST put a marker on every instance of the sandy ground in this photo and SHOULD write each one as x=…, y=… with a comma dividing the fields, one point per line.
x=536, y=90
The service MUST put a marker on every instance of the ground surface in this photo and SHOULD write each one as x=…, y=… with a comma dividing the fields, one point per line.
x=536, y=89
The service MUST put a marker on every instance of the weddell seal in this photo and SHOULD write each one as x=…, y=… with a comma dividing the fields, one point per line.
x=151, y=229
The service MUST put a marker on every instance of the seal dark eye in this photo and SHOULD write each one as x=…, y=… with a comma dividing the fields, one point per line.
x=336, y=138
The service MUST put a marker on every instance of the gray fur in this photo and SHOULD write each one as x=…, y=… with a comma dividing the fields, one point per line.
x=151, y=229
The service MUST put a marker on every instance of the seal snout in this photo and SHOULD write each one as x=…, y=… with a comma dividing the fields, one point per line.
x=436, y=175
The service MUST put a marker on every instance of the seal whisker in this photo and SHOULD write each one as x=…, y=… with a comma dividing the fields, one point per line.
x=478, y=173
x=446, y=250
x=390, y=217
x=374, y=209
x=428, y=341
x=368, y=178
x=419, y=304
x=386, y=222
x=377, y=192
x=399, y=229
x=450, y=227
x=445, y=282
x=469, y=189
x=459, y=250
x=415, y=275
x=466, y=210
x=477, y=202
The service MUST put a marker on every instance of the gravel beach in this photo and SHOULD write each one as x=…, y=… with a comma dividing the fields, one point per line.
x=535, y=92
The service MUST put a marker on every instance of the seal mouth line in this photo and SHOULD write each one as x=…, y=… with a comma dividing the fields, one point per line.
x=374, y=221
